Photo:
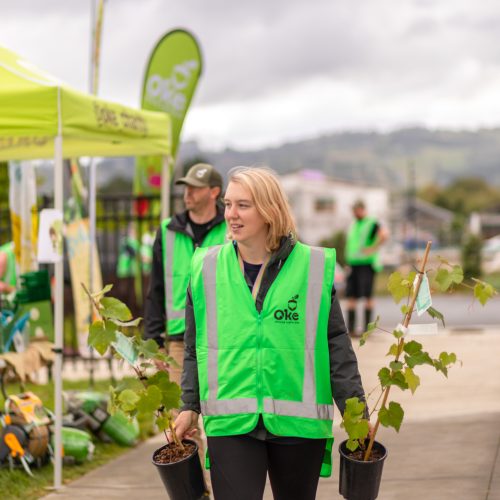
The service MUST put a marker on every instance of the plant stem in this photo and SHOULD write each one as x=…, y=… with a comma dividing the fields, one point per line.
x=94, y=303
x=406, y=322
x=174, y=435
x=375, y=406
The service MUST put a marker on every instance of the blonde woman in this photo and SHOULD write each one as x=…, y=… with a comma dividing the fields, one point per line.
x=266, y=351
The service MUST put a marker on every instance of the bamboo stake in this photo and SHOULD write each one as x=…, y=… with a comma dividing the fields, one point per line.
x=406, y=322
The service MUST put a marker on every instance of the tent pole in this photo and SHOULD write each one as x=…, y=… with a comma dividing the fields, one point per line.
x=165, y=187
x=59, y=319
x=92, y=243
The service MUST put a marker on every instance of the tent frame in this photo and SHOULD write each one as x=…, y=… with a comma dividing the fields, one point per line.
x=59, y=297
x=63, y=123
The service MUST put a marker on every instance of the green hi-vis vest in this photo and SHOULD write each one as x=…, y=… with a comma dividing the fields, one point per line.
x=276, y=363
x=127, y=261
x=358, y=239
x=178, y=250
x=9, y=275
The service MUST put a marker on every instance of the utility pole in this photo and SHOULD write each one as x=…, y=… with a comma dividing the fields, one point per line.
x=411, y=208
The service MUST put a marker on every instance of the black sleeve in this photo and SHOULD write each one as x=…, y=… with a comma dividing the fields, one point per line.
x=374, y=232
x=344, y=373
x=155, y=315
x=189, y=381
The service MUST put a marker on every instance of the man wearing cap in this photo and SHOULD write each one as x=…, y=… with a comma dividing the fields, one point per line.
x=202, y=224
x=361, y=253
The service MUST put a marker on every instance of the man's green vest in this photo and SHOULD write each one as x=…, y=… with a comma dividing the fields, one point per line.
x=9, y=275
x=358, y=239
x=274, y=363
x=178, y=250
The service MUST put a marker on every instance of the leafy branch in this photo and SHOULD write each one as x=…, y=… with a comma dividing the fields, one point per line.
x=405, y=355
x=147, y=394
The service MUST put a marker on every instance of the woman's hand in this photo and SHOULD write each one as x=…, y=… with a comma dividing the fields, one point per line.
x=186, y=424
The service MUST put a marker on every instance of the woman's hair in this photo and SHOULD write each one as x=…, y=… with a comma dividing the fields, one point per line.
x=270, y=201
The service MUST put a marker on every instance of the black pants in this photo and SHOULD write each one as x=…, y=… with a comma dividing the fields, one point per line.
x=239, y=466
x=360, y=282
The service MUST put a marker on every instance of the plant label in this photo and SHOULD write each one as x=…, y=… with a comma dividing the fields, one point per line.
x=424, y=299
x=125, y=348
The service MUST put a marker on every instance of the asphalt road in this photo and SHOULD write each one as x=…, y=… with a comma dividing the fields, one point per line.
x=459, y=312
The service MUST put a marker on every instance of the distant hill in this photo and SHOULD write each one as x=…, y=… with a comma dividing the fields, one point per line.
x=439, y=156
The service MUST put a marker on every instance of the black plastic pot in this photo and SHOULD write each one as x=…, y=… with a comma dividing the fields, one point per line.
x=183, y=480
x=360, y=480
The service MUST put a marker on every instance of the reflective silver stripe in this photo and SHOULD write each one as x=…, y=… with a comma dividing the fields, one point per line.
x=209, y=284
x=168, y=278
x=229, y=406
x=169, y=281
x=313, y=302
x=298, y=409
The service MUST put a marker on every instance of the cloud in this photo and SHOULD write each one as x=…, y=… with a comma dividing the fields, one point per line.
x=278, y=69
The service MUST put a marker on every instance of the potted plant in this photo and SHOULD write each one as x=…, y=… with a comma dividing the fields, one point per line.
x=361, y=456
x=151, y=393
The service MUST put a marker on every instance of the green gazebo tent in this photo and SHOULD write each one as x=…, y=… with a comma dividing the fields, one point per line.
x=40, y=117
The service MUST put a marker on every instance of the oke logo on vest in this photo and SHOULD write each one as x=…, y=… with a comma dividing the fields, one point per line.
x=288, y=313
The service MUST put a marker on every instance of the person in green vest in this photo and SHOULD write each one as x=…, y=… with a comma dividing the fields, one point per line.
x=7, y=268
x=200, y=225
x=127, y=266
x=147, y=252
x=362, y=256
x=266, y=349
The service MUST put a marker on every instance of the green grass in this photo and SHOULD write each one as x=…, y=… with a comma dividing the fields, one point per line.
x=17, y=484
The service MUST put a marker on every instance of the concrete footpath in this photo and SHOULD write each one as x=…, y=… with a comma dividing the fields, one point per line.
x=447, y=449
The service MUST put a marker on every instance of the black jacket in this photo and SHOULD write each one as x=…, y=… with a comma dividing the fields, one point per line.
x=344, y=374
x=155, y=315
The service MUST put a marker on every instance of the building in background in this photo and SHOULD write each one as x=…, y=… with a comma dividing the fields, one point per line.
x=485, y=225
x=322, y=205
x=414, y=222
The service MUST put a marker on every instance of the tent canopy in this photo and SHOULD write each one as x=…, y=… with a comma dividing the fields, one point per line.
x=43, y=118
x=35, y=108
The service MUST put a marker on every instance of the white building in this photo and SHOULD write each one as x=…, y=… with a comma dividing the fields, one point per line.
x=322, y=205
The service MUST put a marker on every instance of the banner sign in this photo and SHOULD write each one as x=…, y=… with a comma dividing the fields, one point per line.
x=169, y=84
x=50, y=236
x=23, y=214
x=78, y=245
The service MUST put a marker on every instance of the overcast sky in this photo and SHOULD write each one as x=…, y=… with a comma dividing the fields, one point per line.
x=278, y=70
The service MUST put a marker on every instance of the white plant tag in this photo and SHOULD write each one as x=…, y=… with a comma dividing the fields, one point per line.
x=125, y=348
x=424, y=299
x=401, y=328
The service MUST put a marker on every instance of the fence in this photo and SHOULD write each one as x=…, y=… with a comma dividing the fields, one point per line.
x=117, y=216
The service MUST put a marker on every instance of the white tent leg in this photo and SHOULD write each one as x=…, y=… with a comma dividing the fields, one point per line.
x=59, y=321
x=92, y=243
x=165, y=187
